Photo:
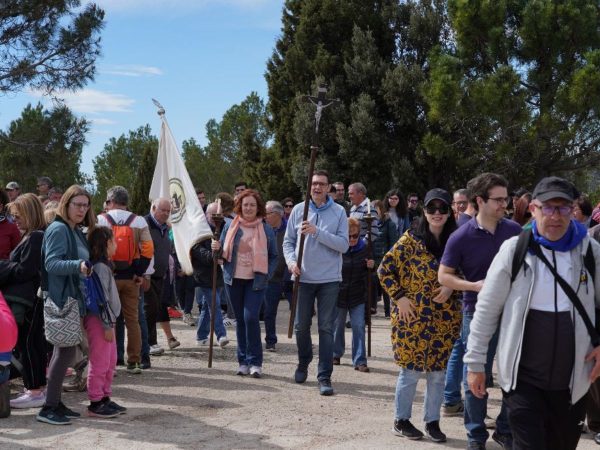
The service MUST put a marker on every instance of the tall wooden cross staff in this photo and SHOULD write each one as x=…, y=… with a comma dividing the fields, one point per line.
x=218, y=221
x=321, y=102
x=369, y=219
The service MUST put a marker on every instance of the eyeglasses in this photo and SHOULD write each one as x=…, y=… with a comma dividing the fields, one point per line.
x=500, y=200
x=354, y=236
x=413, y=201
x=432, y=209
x=80, y=205
x=288, y=206
x=459, y=203
x=564, y=210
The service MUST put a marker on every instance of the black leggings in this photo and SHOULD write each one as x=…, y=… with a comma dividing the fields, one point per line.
x=61, y=358
x=31, y=349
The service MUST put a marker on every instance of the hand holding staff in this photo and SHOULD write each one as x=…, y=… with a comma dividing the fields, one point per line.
x=218, y=221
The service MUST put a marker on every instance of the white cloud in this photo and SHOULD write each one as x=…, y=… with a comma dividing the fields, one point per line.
x=171, y=6
x=102, y=121
x=91, y=101
x=130, y=70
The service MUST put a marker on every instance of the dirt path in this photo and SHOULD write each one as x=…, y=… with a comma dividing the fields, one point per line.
x=180, y=403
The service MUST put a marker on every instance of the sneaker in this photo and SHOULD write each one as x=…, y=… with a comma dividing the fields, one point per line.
x=243, y=370
x=120, y=409
x=270, y=348
x=336, y=361
x=348, y=324
x=156, y=350
x=223, y=341
x=301, y=374
x=597, y=438
x=189, y=319
x=455, y=410
x=255, y=371
x=134, y=368
x=229, y=322
x=325, y=387
x=145, y=364
x=174, y=313
x=29, y=400
x=406, y=429
x=120, y=362
x=203, y=343
x=68, y=413
x=173, y=343
x=505, y=440
x=433, y=432
x=77, y=384
x=48, y=414
x=101, y=410
x=362, y=368
x=474, y=445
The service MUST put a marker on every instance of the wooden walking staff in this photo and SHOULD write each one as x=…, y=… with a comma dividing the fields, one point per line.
x=369, y=219
x=321, y=102
x=218, y=221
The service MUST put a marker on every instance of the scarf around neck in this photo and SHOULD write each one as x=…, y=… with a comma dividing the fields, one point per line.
x=260, y=262
x=571, y=239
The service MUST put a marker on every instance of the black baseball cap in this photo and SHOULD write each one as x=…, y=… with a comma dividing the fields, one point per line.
x=555, y=187
x=438, y=194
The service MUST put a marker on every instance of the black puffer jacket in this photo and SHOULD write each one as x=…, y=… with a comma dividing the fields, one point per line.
x=353, y=288
x=202, y=263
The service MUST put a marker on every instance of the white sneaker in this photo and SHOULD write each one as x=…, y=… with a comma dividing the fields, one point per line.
x=156, y=350
x=229, y=322
x=189, y=319
x=223, y=341
x=255, y=371
x=29, y=400
x=243, y=370
x=202, y=343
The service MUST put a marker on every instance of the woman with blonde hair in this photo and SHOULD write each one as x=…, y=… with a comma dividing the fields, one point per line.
x=66, y=264
x=19, y=282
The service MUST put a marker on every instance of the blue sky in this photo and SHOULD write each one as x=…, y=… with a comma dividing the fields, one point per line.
x=197, y=57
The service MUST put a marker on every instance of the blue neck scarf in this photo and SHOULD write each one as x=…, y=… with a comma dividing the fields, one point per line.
x=572, y=238
x=323, y=207
x=359, y=246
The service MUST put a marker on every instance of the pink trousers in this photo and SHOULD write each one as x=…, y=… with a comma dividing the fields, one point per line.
x=102, y=359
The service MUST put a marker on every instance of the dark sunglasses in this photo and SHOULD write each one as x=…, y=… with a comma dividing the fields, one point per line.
x=289, y=206
x=354, y=236
x=431, y=209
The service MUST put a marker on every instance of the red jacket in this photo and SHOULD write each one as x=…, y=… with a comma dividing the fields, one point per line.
x=8, y=336
x=10, y=236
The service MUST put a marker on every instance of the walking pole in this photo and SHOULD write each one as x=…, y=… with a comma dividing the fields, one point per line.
x=218, y=221
x=369, y=219
x=321, y=103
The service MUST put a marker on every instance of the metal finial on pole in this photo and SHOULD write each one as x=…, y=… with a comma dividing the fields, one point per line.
x=161, y=110
x=321, y=102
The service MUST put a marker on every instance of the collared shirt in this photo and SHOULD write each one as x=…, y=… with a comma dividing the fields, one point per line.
x=471, y=249
x=164, y=228
x=358, y=212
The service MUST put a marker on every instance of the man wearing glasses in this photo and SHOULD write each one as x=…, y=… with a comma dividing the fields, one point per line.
x=545, y=357
x=470, y=250
x=44, y=184
x=326, y=234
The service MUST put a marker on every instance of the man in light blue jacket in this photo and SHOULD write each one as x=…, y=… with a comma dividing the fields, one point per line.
x=326, y=240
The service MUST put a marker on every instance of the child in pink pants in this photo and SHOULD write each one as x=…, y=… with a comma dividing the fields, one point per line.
x=99, y=328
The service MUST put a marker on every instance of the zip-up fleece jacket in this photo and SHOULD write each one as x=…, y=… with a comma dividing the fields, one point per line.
x=322, y=258
x=501, y=302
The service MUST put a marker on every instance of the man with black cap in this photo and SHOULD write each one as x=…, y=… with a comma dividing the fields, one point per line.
x=545, y=357
x=471, y=250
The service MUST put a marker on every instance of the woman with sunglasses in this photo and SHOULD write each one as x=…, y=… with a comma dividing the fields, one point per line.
x=288, y=205
x=425, y=316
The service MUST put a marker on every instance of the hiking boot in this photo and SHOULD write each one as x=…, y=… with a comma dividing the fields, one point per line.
x=134, y=368
x=120, y=409
x=68, y=413
x=48, y=414
x=173, y=343
x=325, y=387
x=505, y=440
x=301, y=374
x=29, y=399
x=223, y=341
x=406, y=429
x=455, y=410
x=433, y=432
x=101, y=410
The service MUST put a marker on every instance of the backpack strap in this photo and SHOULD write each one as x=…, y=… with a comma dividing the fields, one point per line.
x=520, y=252
x=109, y=219
x=590, y=262
x=130, y=219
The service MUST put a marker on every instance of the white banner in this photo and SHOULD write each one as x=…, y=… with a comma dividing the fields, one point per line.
x=171, y=180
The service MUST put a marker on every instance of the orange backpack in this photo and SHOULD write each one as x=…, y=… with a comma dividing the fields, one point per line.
x=123, y=235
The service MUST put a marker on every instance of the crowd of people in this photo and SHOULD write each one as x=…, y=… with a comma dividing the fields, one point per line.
x=465, y=279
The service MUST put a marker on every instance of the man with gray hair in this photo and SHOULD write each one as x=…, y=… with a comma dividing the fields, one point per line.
x=134, y=251
x=361, y=205
x=280, y=285
x=44, y=184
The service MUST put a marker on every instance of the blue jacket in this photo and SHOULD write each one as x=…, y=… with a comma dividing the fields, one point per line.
x=260, y=279
x=60, y=273
x=322, y=257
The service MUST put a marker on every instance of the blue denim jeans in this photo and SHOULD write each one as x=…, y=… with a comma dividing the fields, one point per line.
x=476, y=408
x=454, y=374
x=246, y=304
x=326, y=295
x=204, y=299
x=120, y=332
x=357, y=320
x=406, y=386
x=273, y=293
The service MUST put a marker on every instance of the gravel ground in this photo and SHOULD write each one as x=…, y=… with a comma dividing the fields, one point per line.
x=180, y=403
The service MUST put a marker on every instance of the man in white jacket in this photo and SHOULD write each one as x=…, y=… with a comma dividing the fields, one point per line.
x=545, y=358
